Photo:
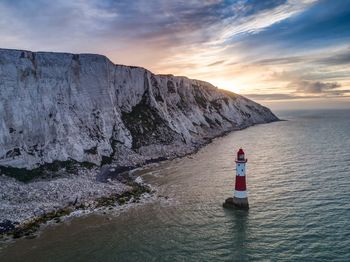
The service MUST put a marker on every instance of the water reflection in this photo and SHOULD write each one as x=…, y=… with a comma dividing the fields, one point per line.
x=237, y=226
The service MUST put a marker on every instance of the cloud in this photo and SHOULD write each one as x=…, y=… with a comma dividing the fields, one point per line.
x=322, y=26
x=302, y=89
x=309, y=87
x=247, y=25
x=270, y=96
x=281, y=60
x=171, y=22
x=217, y=63
x=277, y=97
x=324, y=56
x=339, y=58
x=52, y=25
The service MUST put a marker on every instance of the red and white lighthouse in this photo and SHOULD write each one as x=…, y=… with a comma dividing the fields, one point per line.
x=240, y=197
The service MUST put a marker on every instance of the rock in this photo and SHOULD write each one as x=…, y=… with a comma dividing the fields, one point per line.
x=45, y=196
x=236, y=203
x=68, y=107
x=66, y=114
x=6, y=226
x=139, y=180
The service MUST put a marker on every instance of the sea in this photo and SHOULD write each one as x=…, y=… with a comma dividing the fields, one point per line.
x=298, y=181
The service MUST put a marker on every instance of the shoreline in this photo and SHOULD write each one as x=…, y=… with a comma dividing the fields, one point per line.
x=110, y=195
x=115, y=187
x=135, y=191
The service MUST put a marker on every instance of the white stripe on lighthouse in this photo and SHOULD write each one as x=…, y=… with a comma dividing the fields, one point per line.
x=240, y=194
x=240, y=169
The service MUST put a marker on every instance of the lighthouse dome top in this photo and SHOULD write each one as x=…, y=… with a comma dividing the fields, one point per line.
x=240, y=156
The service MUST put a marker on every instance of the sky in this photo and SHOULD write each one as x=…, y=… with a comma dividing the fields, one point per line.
x=286, y=54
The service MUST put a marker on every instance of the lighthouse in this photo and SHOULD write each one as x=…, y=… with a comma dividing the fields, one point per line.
x=240, y=197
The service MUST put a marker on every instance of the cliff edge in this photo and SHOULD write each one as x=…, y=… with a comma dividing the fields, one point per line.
x=82, y=107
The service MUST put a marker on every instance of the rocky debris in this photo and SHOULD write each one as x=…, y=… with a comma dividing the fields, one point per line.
x=21, y=201
x=6, y=226
x=25, y=207
x=59, y=107
x=236, y=203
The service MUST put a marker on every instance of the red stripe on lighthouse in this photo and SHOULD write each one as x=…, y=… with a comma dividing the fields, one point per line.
x=240, y=183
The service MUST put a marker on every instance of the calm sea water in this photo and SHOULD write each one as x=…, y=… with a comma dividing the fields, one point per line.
x=298, y=176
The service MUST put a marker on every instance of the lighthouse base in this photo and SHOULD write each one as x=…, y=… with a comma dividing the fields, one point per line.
x=234, y=202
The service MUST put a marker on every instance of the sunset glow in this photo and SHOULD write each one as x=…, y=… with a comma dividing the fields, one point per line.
x=271, y=51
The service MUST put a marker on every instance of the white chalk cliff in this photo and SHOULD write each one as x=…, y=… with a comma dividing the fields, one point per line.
x=60, y=106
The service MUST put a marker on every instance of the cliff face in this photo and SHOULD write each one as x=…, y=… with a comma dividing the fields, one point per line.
x=58, y=106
